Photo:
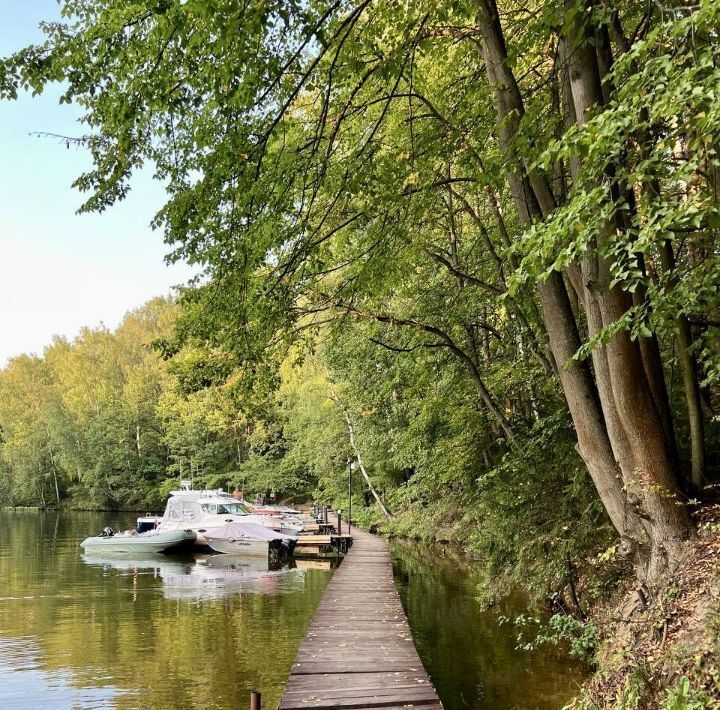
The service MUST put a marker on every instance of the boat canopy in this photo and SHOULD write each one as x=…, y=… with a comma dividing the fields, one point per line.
x=237, y=531
x=191, y=505
x=181, y=508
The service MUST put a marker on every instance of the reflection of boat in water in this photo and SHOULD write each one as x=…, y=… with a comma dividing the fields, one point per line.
x=139, y=563
x=208, y=577
x=219, y=576
x=134, y=543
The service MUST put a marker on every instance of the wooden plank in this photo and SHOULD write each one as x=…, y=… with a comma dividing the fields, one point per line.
x=313, y=540
x=301, y=683
x=373, y=700
x=358, y=652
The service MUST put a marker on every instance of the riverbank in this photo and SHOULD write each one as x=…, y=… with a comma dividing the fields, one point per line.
x=663, y=652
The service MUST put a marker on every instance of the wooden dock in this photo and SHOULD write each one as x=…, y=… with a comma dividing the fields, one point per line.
x=358, y=652
x=322, y=545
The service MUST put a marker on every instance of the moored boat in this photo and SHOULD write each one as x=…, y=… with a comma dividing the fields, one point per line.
x=205, y=510
x=249, y=539
x=132, y=542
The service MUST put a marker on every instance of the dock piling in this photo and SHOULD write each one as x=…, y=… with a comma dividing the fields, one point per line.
x=255, y=700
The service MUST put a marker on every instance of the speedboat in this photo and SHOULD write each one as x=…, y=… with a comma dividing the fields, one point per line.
x=205, y=510
x=249, y=539
x=132, y=542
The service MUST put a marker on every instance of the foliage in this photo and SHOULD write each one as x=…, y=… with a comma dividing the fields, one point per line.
x=684, y=697
x=362, y=199
x=559, y=629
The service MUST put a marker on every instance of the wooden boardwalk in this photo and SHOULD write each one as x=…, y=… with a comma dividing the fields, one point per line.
x=358, y=652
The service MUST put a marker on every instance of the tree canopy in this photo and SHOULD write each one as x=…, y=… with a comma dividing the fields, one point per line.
x=483, y=232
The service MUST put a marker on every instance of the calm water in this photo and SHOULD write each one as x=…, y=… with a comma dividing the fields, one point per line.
x=153, y=632
x=202, y=632
x=471, y=659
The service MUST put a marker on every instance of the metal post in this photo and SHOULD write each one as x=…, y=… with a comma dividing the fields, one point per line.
x=255, y=700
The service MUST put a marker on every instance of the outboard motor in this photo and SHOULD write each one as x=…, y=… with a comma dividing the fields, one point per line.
x=107, y=532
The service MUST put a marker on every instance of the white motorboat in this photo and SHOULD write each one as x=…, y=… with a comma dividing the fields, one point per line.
x=249, y=539
x=132, y=542
x=205, y=510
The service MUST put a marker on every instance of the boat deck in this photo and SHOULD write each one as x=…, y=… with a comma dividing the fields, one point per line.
x=358, y=652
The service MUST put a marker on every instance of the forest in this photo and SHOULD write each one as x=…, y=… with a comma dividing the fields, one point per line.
x=471, y=244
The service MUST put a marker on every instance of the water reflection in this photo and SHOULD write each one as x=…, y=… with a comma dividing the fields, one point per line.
x=203, y=631
x=204, y=577
x=472, y=660
x=20, y=669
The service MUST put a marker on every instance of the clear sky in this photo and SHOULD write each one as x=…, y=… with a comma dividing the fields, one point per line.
x=60, y=271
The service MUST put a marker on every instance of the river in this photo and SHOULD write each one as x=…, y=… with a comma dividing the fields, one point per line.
x=472, y=659
x=195, y=631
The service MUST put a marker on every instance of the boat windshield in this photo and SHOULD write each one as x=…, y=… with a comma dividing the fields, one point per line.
x=224, y=508
x=233, y=508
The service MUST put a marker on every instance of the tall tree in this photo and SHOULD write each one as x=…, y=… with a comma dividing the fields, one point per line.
x=326, y=161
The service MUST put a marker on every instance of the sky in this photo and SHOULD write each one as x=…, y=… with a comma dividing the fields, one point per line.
x=60, y=271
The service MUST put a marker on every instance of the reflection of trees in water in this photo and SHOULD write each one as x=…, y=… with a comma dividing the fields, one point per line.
x=472, y=659
x=228, y=629
x=20, y=669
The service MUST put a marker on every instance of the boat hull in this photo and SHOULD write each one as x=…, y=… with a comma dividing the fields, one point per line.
x=151, y=542
x=265, y=549
x=243, y=546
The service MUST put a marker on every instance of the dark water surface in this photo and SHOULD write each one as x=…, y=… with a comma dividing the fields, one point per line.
x=471, y=658
x=143, y=632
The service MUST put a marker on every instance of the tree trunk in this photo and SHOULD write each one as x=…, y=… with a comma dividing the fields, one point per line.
x=353, y=444
x=619, y=429
x=57, y=488
x=594, y=444
x=691, y=386
x=636, y=379
x=575, y=377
